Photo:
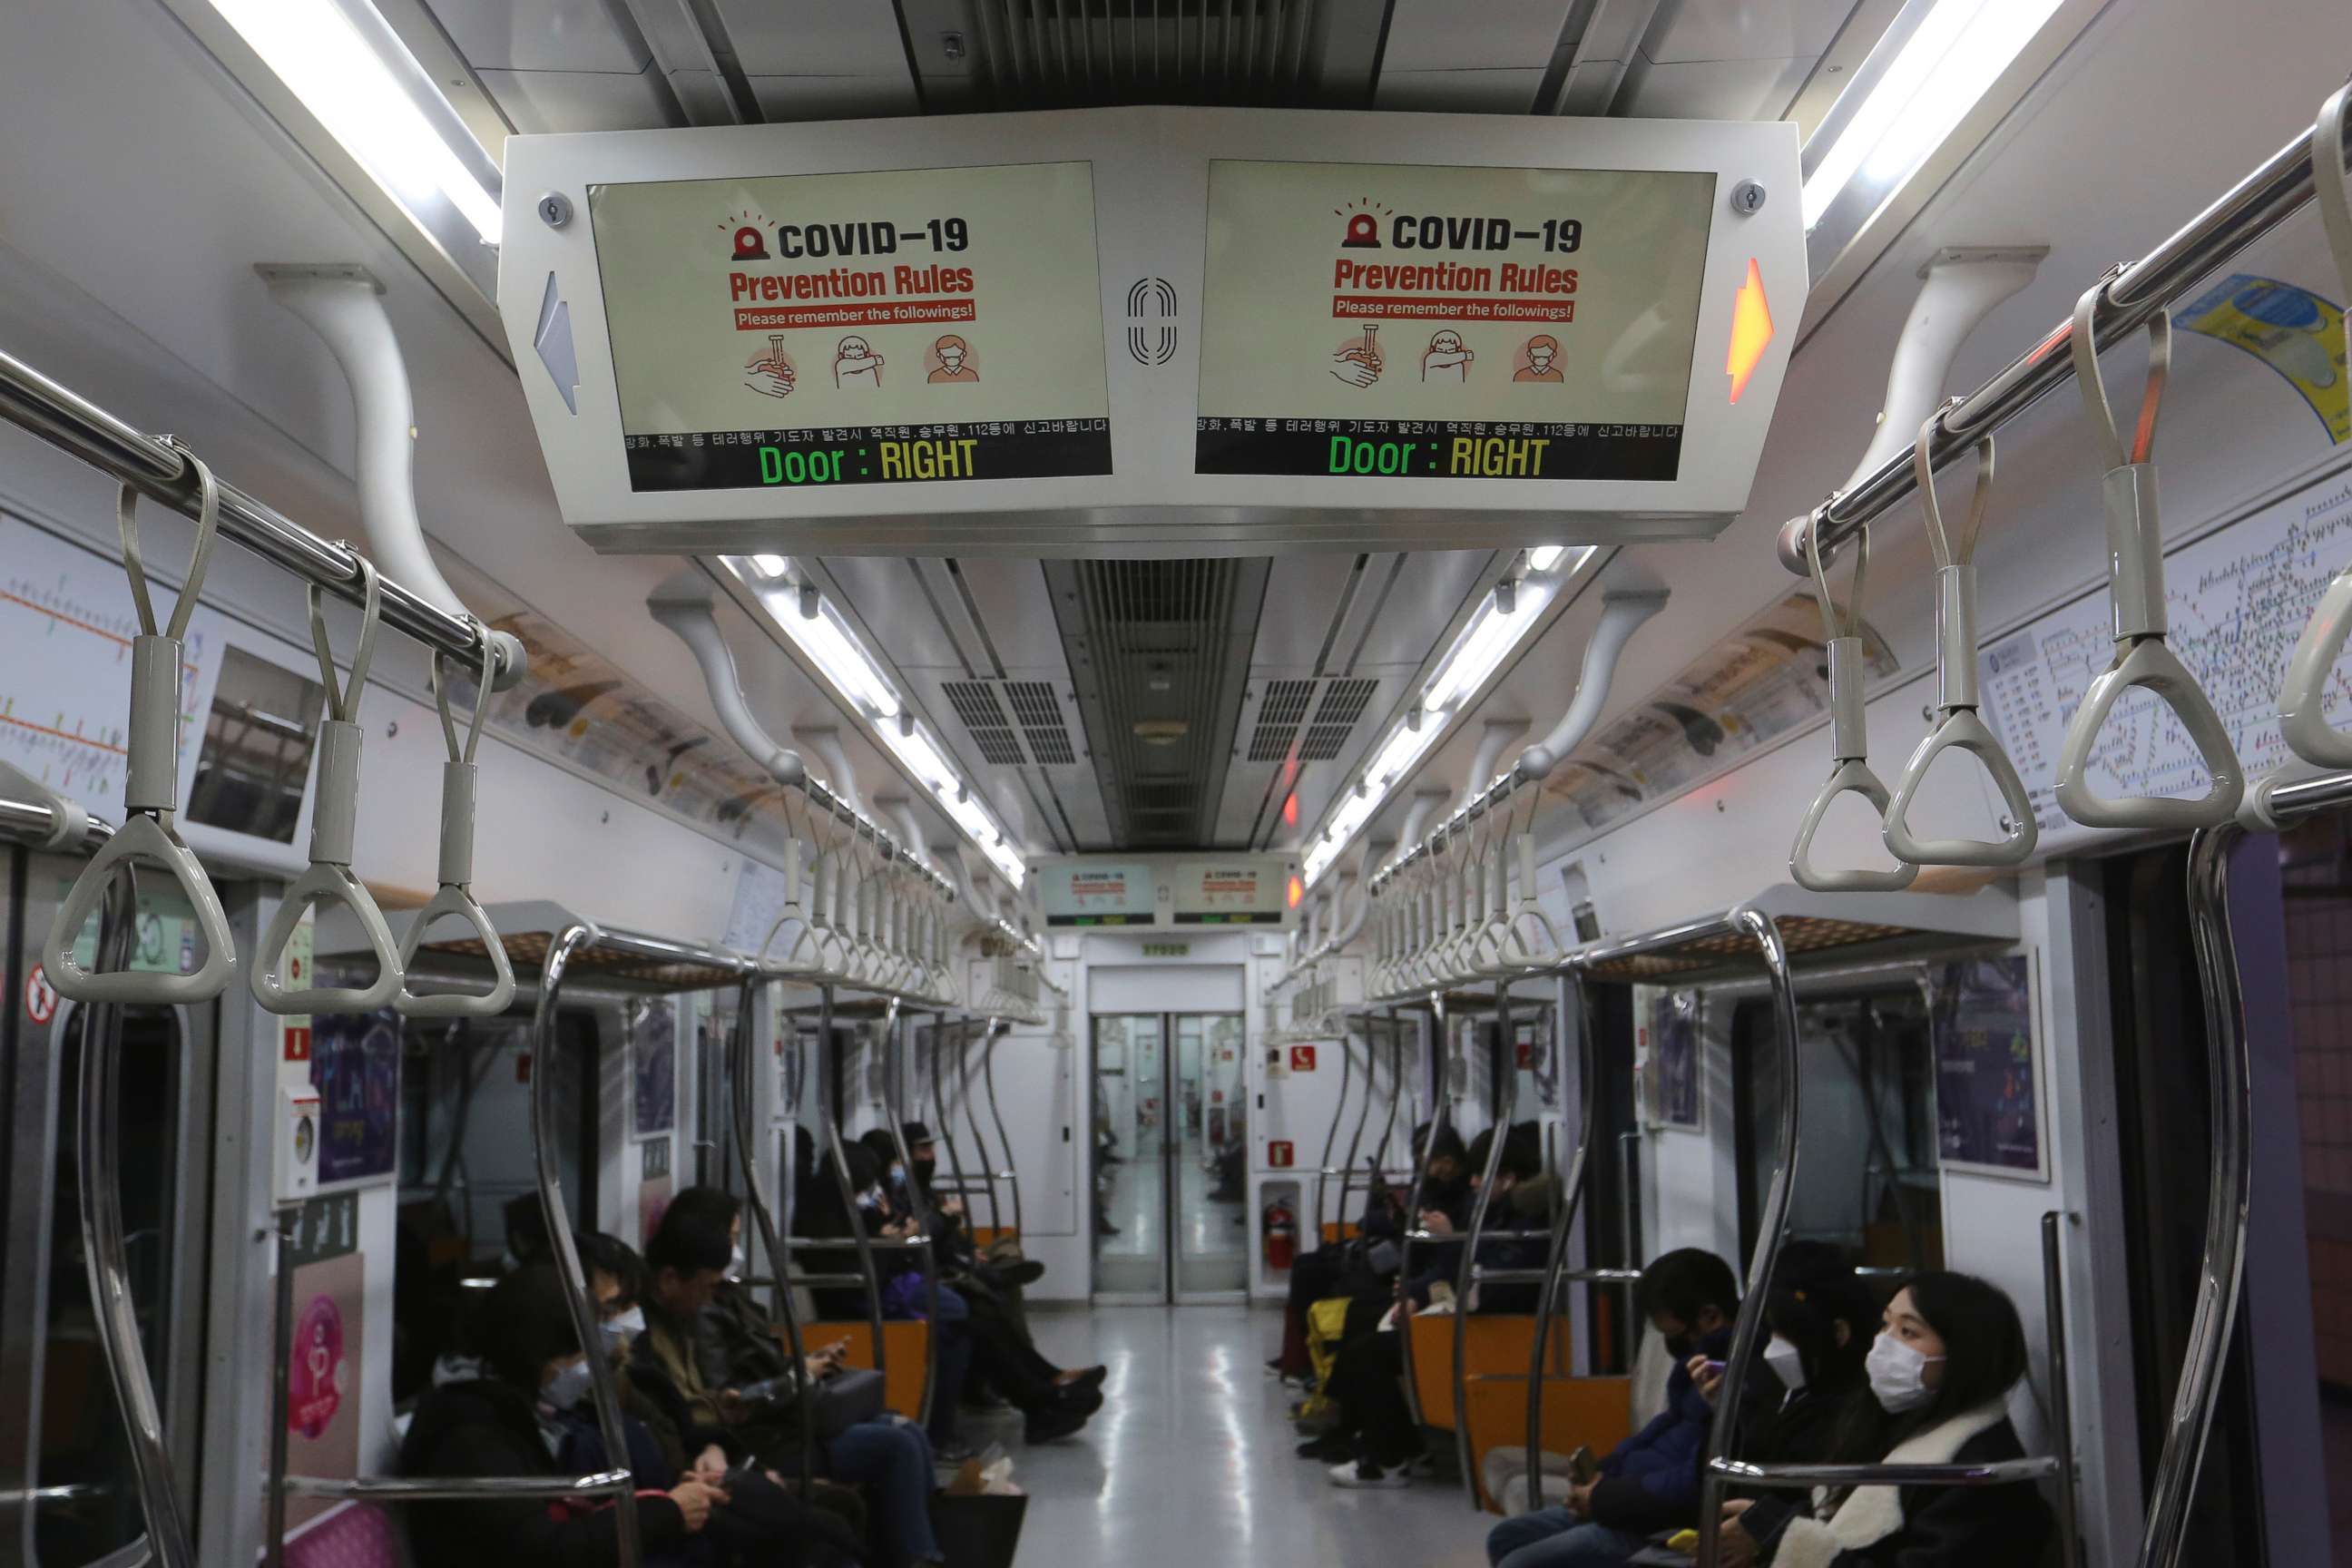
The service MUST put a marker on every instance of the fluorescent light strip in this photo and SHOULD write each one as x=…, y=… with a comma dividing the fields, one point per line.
x=352, y=91
x=1948, y=62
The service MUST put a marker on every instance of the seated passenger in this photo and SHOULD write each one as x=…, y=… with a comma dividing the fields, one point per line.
x=1940, y=1374
x=1375, y=1439
x=1818, y=1318
x=1651, y=1482
x=686, y=1262
x=518, y=1421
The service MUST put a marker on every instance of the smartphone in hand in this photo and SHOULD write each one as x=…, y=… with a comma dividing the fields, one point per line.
x=1582, y=1468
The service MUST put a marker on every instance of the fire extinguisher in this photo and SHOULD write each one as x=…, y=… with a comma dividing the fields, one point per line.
x=1281, y=1227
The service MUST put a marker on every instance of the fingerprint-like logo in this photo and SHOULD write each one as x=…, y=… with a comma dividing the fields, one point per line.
x=1151, y=321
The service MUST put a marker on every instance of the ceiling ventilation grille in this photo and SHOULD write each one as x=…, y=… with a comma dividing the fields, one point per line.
x=1040, y=717
x=975, y=703
x=1343, y=704
x=1279, y=714
x=1045, y=54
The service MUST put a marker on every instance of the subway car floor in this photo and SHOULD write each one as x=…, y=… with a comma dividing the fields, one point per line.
x=1190, y=1461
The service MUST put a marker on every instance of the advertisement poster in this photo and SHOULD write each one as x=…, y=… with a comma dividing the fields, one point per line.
x=1092, y=893
x=1454, y=323
x=652, y=1067
x=802, y=332
x=654, y=1187
x=322, y=1393
x=356, y=1067
x=1988, y=1068
x=1670, y=1054
x=2291, y=330
x=1230, y=892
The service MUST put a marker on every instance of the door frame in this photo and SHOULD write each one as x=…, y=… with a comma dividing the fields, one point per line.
x=1169, y=1293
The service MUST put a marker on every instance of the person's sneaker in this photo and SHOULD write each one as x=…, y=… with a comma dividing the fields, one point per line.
x=1365, y=1475
x=1079, y=1398
x=1327, y=1447
x=1051, y=1426
x=1028, y=1271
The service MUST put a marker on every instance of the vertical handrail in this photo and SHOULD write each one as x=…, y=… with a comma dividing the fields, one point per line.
x=605, y=1391
x=1396, y=1086
x=996, y=1114
x=2062, y=1405
x=1766, y=936
x=282, y=1372
x=104, y=1253
x=1331, y=1136
x=894, y=1110
x=971, y=1120
x=2229, y=1188
x=1465, y=1272
x=1564, y=1215
x=828, y=1093
x=945, y=1132
x=1439, y=1118
x=1354, y=1139
x=747, y=1145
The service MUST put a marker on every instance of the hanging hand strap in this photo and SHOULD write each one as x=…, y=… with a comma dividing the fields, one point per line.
x=1850, y=770
x=1960, y=728
x=151, y=788
x=334, y=821
x=459, y=777
x=2302, y=693
x=2136, y=588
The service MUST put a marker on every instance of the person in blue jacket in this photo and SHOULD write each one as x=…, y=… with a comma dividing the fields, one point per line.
x=1651, y=1482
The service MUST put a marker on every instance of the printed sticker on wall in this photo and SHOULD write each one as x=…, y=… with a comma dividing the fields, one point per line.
x=324, y=1360
x=2291, y=330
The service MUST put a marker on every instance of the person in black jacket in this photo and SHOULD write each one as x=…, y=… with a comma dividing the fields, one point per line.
x=1329, y=1271
x=1940, y=1373
x=507, y=1424
x=1651, y=1481
x=1818, y=1321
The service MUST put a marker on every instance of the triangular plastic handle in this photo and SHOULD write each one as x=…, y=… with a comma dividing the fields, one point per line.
x=140, y=837
x=1851, y=777
x=1963, y=729
x=322, y=883
x=2149, y=663
x=2303, y=694
x=456, y=901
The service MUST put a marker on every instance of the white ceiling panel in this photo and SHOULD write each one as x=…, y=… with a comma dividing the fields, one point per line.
x=1713, y=89
x=1015, y=609
x=541, y=36
x=1502, y=90
x=1443, y=35
x=815, y=38
x=1689, y=30
x=790, y=98
x=539, y=102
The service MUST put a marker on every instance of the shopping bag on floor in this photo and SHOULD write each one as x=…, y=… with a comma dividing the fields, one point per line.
x=981, y=1531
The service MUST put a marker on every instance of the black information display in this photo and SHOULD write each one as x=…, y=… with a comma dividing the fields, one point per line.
x=868, y=455
x=1436, y=450
x=1235, y=918
x=1098, y=919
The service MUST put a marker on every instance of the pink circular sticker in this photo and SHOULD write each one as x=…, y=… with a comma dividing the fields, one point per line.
x=314, y=1390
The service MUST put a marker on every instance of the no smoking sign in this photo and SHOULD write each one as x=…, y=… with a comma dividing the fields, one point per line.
x=40, y=997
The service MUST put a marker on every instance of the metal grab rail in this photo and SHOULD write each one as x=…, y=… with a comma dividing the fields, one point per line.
x=1440, y=1118
x=104, y=1253
x=1466, y=1270
x=894, y=1111
x=747, y=1155
x=995, y=1114
x=1331, y=1133
x=828, y=1085
x=619, y=1482
x=2123, y=304
x=988, y=1173
x=945, y=1131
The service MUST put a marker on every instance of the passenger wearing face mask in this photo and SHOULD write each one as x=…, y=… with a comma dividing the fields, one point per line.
x=1818, y=1321
x=1940, y=1373
x=1651, y=1481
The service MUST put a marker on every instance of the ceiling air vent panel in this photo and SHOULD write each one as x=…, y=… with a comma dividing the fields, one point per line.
x=975, y=703
x=1039, y=715
x=1343, y=703
x=1279, y=714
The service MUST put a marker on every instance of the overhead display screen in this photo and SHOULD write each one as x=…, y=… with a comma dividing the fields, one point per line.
x=802, y=331
x=1382, y=322
x=1095, y=893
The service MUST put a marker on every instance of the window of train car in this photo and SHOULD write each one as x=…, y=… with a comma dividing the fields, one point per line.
x=80, y=1439
x=1868, y=1181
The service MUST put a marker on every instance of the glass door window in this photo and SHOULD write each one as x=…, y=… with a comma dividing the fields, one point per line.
x=1131, y=1115
x=1171, y=1156
x=1211, y=1158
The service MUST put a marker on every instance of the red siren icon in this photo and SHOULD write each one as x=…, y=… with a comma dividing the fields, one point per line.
x=749, y=246
x=1363, y=234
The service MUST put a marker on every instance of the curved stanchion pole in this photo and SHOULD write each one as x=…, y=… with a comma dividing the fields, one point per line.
x=1331, y=1136
x=972, y=1117
x=750, y=1153
x=604, y=1388
x=995, y=1114
x=1958, y=726
x=2136, y=586
x=828, y=1087
x=1850, y=770
x=894, y=1110
x=1354, y=1139
x=2228, y=1069
x=1439, y=1118
x=459, y=776
x=945, y=1131
x=1760, y=926
x=150, y=789
x=333, y=828
x=1465, y=1271
x=2303, y=692
x=1563, y=1224
x=2062, y=1399
x=104, y=1253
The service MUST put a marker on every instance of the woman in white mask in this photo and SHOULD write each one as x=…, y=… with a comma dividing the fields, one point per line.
x=1940, y=1373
